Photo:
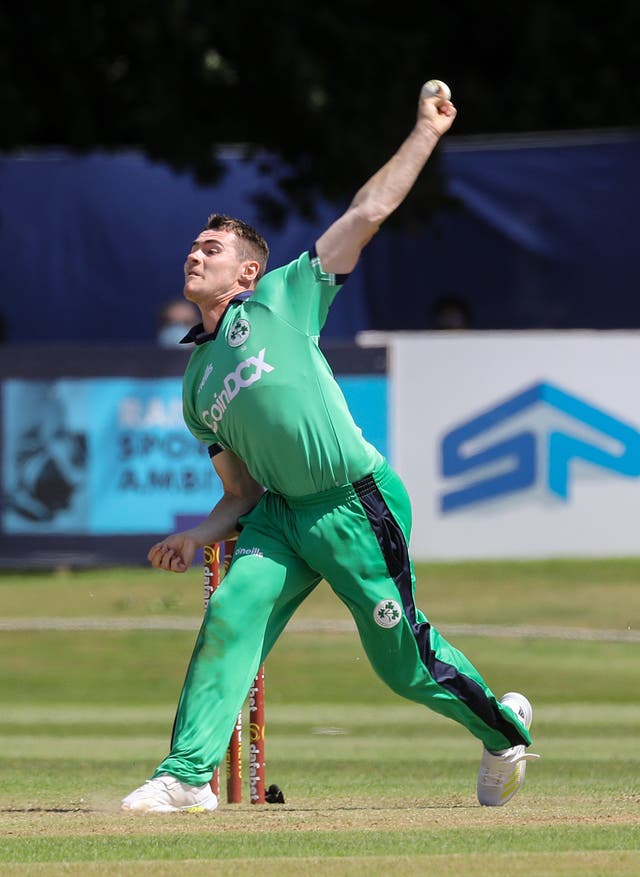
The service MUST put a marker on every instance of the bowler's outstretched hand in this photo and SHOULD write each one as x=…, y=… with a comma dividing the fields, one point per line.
x=435, y=113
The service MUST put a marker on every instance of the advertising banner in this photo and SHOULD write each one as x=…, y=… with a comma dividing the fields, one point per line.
x=107, y=456
x=517, y=445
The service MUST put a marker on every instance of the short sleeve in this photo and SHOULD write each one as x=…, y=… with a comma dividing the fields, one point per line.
x=301, y=292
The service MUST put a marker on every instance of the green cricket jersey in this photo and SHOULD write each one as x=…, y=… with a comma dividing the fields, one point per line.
x=260, y=386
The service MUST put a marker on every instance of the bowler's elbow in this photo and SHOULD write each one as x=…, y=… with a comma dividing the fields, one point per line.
x=340, y=246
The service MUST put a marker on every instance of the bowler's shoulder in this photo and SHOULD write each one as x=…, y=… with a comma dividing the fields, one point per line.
x=298, y=270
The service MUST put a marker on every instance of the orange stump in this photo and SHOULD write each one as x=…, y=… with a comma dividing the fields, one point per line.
x=216, y=559
x=256, y=740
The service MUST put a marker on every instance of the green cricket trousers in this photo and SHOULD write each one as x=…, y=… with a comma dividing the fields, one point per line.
x=356, y=538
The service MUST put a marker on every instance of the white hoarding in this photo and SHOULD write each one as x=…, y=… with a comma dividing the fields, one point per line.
x=518, y=445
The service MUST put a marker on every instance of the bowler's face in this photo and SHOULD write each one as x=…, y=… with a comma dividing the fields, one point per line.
x=212, y=267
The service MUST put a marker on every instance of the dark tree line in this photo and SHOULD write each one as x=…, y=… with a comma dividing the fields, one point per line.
x=328, y=91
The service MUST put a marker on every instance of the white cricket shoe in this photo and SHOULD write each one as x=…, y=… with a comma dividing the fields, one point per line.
x=166, y=794
x=502, y=773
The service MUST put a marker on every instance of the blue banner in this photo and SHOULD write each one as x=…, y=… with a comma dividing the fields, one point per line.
x=108, y=456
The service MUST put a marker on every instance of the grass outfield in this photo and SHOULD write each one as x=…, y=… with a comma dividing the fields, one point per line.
x=373, y=784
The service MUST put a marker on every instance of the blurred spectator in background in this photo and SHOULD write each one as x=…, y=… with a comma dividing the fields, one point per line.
x=451, y=313
x=174, y=321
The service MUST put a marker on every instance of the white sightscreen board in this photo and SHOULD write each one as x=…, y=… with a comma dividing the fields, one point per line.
x=502, y=423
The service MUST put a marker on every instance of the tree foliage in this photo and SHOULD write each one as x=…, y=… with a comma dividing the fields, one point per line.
x=327, y=92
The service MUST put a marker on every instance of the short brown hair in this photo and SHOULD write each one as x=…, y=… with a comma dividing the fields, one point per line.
x=252, y=244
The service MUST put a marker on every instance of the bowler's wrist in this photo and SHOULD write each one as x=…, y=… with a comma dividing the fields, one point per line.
x=426, y=133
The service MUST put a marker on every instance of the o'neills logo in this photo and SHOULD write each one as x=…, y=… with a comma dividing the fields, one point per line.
x=206, y=374
x=244, y=375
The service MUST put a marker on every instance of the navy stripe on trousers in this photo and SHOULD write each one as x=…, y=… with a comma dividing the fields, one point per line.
x=396, y=554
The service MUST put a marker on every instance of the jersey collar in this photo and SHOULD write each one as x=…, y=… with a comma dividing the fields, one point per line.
x=197, y=335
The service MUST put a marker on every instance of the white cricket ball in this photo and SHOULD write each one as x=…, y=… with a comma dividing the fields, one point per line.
x=436, y=87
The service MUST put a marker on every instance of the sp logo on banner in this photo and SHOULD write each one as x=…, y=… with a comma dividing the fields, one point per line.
x=533, y=438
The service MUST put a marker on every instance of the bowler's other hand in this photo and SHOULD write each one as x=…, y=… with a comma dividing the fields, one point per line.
x=436, y=114
x=175, y=553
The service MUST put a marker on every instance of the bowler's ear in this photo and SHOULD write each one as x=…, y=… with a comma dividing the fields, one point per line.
x=250, y=270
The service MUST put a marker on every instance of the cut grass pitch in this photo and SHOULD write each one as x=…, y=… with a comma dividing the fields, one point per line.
x=374, y=785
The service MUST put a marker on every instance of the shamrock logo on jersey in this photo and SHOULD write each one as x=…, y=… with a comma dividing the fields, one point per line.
x=239, y=333
x=387, y=613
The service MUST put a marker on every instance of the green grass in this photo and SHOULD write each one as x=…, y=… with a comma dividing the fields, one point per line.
x=596, y=593
x=374, y=785
x=319, y=843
